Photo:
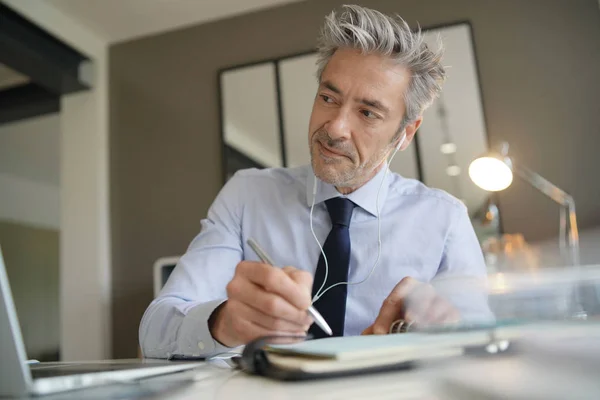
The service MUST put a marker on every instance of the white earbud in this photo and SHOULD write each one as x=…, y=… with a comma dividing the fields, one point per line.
x=398, y=146
x=401, y=141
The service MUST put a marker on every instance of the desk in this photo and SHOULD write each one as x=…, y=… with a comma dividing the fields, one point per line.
x=550, y=361
x=494, y=378
x=413, y=384
x=210, y=382
x=462, y=378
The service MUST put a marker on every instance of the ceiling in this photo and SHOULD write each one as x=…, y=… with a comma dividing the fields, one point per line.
x=10, y=77
x=121, y=20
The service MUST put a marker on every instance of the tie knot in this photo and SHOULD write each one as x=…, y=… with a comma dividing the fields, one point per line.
x=340, y=210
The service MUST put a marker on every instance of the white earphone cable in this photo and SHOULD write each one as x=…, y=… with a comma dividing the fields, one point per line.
x=317, y=240
x=321, y=292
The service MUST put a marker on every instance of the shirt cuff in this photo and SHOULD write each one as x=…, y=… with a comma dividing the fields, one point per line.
x=194, y=338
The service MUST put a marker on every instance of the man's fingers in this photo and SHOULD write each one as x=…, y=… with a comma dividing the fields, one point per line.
x=263, y=300
x=441, y=312
x=393, y=306
x=266, y=302
x=418, y=303
x=267, y=322
x=299, y=276
x=275, y=280
x=391, y=310
x=248, y=330
x=368, y=331
x=304, y=279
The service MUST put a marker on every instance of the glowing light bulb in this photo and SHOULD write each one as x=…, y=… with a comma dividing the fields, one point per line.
x=490, y=173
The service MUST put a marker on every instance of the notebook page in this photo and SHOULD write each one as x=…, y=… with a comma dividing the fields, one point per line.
x=351, y=347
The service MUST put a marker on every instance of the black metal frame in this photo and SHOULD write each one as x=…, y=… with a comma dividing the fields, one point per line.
x=280, y=115
x=52, y=66
x=277, y=60
x=25, y=101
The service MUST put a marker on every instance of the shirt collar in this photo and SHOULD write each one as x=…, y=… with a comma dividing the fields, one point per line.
x=365, y=197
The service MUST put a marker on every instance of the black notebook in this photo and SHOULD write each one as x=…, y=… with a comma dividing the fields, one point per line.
x=349, y=355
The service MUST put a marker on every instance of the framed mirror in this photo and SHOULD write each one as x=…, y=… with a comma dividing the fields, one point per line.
x=250, y=130
x=266, y=108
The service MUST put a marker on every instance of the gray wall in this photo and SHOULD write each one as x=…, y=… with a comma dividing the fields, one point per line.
x=31, y=258
x=538, y=61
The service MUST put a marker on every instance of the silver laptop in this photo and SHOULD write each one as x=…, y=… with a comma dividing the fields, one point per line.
x=18, y=377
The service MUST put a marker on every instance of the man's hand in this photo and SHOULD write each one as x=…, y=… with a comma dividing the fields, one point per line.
x=263, y=301
x=414, y=302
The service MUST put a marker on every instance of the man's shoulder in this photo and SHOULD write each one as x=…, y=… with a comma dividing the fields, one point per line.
x=254, y=177
x=402, y=186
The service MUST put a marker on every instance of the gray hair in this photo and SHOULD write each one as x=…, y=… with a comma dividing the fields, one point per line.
x=371, y=31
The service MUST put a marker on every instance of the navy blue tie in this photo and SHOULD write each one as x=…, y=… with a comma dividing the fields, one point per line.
x=332, y=305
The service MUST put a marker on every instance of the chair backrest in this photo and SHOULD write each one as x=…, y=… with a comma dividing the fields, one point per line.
x=162, y=270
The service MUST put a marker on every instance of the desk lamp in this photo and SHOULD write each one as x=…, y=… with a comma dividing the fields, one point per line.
x=494, y=172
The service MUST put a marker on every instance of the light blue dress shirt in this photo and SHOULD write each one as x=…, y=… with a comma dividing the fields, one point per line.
x=425, y=233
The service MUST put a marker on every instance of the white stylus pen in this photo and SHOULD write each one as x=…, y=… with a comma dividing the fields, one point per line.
x=319, y=320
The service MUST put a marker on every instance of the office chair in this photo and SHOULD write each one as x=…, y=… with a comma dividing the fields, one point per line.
x=163, y=267
x=161, y=271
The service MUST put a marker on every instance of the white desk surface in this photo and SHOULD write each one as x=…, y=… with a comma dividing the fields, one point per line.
x=210, y=382
x=494, y=378
x=214, y=383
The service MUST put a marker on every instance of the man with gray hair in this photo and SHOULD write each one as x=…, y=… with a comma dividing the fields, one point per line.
x=373, y=240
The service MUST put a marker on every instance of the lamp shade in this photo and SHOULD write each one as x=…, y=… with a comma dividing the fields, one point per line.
x=491, y=173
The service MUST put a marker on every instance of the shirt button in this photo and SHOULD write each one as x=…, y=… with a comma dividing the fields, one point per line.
x=201, y=345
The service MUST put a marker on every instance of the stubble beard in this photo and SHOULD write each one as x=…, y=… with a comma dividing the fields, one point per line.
x=338, y=171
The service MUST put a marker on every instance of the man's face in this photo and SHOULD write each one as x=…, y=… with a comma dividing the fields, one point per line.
x=357, y=112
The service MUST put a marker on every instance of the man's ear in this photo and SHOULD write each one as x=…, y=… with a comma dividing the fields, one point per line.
x=410, y=131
